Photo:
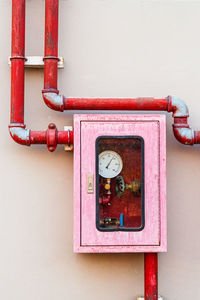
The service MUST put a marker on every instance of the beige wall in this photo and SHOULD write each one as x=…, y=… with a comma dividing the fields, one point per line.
x=113, y=48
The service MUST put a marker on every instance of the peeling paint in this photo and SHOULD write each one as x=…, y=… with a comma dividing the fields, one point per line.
x=54, y=101
x=20, y=135
x=184, y=135
x=179, y=108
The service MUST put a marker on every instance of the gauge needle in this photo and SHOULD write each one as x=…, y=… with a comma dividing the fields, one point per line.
x=109, y=163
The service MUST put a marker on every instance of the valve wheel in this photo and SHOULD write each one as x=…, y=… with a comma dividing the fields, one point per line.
x=119, y=186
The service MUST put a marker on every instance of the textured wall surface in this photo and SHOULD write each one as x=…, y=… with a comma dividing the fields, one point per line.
x=111, y=48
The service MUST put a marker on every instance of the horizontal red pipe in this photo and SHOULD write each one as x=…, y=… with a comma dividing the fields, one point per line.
x=116, y=104
x=66, y=137
x=151, y=276
x=52, y=137
x=58, y=137
x=182, y=132
x=38, y=137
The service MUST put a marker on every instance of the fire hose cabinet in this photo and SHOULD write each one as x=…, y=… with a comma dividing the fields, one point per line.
x=119, y=183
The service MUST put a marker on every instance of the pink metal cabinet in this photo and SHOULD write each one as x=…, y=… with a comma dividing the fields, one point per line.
x=151, y=236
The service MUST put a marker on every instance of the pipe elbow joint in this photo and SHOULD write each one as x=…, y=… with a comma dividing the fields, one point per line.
x=19, y=134
x=184, y=134
x=178, y=107
x=54, y=101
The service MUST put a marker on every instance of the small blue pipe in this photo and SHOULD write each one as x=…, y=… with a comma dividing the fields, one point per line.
x=121, y=220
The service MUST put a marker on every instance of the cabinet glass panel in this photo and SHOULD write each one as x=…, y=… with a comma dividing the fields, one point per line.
x=120, y=183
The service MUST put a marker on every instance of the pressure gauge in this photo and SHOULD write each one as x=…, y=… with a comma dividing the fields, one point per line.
x=110, y=164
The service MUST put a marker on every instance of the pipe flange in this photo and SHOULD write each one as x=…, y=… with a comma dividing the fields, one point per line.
x=20, y=125
x=52, y=137
x=178, y=107
x=18, y=57
x=51, y=57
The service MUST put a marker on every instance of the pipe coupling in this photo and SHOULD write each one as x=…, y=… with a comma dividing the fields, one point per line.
x=54, y=101
x=184, y=134
x=19, y=134
x=52, y=137
x=177, y=107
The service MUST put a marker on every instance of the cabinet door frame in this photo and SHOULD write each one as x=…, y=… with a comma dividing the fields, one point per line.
x=78, y=246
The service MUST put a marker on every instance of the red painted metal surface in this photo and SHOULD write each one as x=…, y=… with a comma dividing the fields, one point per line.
x=17, y=61
x=17, y=129
x=151, y=276
x=51, y=46
x=51, y=136
x=116, y=104
x=182, y=132
x=53, y=101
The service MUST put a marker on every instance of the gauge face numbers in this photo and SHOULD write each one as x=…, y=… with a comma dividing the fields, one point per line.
x=110, y=164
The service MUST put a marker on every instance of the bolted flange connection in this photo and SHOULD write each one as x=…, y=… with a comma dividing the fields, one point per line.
x=52, y=137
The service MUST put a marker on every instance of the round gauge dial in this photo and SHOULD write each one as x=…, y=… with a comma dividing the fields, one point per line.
x=110, y=164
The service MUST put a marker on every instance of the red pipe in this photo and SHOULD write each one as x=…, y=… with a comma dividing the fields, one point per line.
x=183, y=133
x=51, y=46
x=116, y=104
x=51, y=137
x=23, y=136
x=17, y=61
x=151, y=276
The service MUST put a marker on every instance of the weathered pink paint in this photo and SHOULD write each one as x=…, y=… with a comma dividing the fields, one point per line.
x=153, y=130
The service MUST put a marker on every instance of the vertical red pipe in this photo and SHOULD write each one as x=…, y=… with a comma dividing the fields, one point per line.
x=151, y=276
x=23, y=136
x=17, y=61
x=51, y=46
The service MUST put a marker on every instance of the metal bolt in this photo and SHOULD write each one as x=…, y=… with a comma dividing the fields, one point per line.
x=52, y=126
x=51, y=149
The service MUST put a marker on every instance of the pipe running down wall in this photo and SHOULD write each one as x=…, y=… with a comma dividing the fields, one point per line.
x=51, y=137
x=151, y=276
x=183, y=133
